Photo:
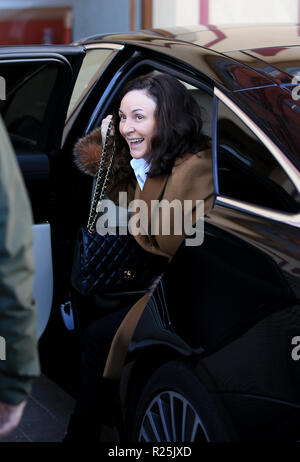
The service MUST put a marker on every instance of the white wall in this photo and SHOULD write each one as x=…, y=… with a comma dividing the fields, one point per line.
x=175, y=12
x=163, y=13
x=187, y=12
x=252, y=11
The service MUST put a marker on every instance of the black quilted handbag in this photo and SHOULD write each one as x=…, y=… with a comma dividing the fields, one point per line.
x=111, y=263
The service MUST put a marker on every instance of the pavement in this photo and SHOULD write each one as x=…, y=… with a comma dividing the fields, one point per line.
x=46, y=414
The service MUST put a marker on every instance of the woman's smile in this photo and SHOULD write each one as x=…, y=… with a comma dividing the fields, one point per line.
x=135, y=141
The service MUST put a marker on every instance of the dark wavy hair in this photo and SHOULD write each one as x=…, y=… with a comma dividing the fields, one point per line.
x=178, y=119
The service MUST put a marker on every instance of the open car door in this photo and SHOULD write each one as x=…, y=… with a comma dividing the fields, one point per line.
x=36, y=86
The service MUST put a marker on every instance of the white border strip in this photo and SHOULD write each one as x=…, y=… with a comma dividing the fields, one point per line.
x=113, y=46
x=293, y=220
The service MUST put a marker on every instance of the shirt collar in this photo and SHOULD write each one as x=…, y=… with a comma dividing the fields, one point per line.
x=141, y=167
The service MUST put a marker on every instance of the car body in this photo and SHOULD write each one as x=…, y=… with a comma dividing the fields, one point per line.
x=214, y=356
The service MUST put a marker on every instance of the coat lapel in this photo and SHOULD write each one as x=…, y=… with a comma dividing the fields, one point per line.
x=153, y=190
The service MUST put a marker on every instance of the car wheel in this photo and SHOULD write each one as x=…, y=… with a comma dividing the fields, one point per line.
x=176, y=407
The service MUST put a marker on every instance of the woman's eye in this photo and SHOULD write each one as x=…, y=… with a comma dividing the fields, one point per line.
x=122, y=117
x=139, y=117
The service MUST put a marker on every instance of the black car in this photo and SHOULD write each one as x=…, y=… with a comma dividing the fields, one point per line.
x=215, y=356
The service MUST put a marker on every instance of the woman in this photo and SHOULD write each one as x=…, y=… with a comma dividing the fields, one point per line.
x=160, y=154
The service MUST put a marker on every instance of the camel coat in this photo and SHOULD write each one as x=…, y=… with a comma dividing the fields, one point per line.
x=191, y=179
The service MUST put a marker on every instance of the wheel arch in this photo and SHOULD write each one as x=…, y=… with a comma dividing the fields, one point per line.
x=138, y=386
x=136, y=375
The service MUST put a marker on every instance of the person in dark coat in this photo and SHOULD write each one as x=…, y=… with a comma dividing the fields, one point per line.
x=160, y=154
x=19, y=363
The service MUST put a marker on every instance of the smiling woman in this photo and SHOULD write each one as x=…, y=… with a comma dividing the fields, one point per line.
x=160, y=154
x=166, y=116
x=138, y=123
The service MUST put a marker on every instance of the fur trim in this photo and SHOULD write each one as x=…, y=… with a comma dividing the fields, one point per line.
x=87, y=154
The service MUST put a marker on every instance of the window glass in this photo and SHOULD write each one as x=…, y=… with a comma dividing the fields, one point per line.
x=205, y=101
x=247, y=171
x=28, y=91
x=88, y=74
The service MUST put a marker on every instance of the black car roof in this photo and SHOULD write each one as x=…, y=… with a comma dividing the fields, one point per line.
x=221, y=38
x=241, y=59
x=233, y=37
x=271, y=50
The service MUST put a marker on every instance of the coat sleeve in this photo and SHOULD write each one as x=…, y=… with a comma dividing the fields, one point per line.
x=191, y=185
x=193, y=180
x=87, y=156
x=19, y=363
x=87, y=152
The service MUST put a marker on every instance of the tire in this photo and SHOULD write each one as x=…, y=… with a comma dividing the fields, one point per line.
x=176, y=407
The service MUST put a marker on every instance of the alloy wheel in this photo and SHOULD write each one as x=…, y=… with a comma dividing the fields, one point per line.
x=170, y=417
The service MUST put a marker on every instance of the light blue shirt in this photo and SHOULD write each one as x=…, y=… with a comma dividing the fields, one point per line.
x=141, y=167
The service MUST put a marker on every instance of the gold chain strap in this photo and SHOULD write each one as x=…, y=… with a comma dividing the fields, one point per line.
x=98, y=197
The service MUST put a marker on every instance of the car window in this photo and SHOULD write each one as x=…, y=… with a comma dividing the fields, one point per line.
x=247, y=171
x=28, y=91
x=88, y=74
x=205, y=101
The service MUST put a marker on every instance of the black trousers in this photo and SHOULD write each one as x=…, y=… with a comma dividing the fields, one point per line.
x=95, y=395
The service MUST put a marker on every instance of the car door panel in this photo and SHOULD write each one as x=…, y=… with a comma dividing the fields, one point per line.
x=43, y=282
x=38, y=89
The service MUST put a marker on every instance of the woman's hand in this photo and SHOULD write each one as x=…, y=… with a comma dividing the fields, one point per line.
x=104, y=126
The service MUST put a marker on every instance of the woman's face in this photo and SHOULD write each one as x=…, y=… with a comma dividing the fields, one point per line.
x=137, y=122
